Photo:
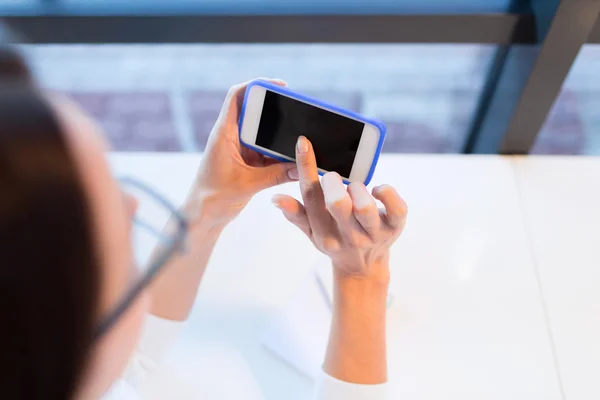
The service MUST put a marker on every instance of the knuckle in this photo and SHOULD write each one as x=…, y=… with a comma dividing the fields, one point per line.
x=366, y=211
x=329, y=244
x=353, y=240
x=310, y=191
x=276, y=180
x=363, y=242
x=338, y=206
x=358, y=240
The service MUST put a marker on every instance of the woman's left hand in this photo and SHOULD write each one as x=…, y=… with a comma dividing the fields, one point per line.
x=231, y=174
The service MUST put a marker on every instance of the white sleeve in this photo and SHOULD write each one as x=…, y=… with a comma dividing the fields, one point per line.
x=158, y=335
x=329, y=388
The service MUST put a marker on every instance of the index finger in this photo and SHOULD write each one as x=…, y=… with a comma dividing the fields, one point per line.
x=310, y=187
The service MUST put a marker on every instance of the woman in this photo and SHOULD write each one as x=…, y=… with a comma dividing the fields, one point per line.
x=73, y=308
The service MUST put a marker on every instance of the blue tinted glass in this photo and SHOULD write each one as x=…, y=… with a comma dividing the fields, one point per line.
x=6, y=6
x=573, y=126
x=167, y=97
x=265, y=6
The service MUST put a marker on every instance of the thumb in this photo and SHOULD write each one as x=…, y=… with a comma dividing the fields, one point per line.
x=277, y=174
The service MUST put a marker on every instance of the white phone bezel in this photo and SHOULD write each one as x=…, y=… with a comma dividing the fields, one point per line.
x=367, y=147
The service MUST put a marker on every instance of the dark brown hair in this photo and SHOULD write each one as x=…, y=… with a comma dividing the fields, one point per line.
x=48, y=271
x=13, y=68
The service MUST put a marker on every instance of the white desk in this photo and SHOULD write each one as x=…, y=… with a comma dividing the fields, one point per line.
x=561, y=204
x=467, y=322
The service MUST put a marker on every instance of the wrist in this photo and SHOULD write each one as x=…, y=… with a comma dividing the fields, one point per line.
x=362, y=292
x=208, y=212
x=375, y=273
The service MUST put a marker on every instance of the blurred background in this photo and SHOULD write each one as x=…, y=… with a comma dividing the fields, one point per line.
x=446, y=76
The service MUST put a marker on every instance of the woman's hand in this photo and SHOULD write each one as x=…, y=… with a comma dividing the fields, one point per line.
x=231, y=174
x=348, y=227
x=345, y=224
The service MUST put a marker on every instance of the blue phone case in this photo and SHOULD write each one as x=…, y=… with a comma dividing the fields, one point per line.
x=285, y=91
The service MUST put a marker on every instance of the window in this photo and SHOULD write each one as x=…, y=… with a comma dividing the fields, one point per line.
x=573, y=126
x=167, y=97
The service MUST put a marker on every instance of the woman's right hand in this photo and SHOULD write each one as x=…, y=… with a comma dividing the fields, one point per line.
x=345, y=224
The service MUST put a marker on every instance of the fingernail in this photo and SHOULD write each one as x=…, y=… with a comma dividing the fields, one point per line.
x=333, y=188
x=302, y=145
x=275, y=200
x=381, y=188
x=360, y=197
x=280, y=81
x=293, y=173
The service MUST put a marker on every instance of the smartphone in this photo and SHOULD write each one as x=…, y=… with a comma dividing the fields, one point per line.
x=273, y=117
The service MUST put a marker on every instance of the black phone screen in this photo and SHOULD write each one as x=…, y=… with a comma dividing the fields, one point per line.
x=334, y=138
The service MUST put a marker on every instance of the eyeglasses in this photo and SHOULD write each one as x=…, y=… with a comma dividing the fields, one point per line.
x=159, y=231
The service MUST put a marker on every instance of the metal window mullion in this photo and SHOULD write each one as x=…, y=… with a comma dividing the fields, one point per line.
x=477, y=28
x=529, y=78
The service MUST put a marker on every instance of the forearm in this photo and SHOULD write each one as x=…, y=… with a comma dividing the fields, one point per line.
x=357, y=342
x=174, y=291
